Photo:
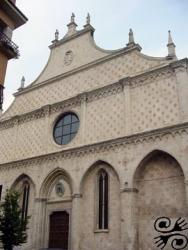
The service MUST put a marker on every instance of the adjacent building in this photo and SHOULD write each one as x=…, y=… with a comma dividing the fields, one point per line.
x=10, y=19
x=98, y=147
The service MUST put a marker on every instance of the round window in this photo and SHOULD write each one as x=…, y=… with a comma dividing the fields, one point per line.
x=66, y=128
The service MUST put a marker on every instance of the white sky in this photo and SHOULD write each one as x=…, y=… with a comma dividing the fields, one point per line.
x=149, y=19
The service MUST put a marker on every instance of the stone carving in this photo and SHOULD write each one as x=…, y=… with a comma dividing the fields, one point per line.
x=60, y=190
x=72, y=18
x=68, y=57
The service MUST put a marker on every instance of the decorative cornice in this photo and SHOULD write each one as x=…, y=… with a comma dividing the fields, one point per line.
x=148, y=77
x=109, y=145
x=105, y=91
x=113, y=89
x=180, y=66
x=60, y=106
x=40, y=113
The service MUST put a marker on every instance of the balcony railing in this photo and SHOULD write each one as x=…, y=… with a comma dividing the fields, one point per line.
x=8, y=46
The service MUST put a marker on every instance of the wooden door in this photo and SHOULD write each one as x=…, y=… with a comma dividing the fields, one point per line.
x=59, y=230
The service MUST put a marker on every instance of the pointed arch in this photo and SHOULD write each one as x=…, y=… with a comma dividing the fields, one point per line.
x=51, y=178
x=148, y=157
x=97, y=164
x=21, y=178
x=27, y=189
x=103, y=198
x=159, y=179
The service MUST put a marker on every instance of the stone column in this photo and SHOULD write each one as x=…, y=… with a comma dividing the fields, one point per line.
x=181, y=73
x=128, y=218
x=83, y=116
x=39, y=222
x=76, y=222
x=127, y=105
x=186, y=191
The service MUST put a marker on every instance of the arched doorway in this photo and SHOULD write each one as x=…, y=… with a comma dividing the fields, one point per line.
x=59, y=230
x=57, y=193
x=161, y=200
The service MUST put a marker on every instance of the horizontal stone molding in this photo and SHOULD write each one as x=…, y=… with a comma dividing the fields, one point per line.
x=105, y=146
x=93, y=95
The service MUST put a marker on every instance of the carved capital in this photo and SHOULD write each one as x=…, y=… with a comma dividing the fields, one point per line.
x=40, y=199
x=125, y=82
x=129, y=190
x=76, y=196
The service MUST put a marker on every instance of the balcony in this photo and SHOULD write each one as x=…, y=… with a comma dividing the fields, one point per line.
x=9, y=48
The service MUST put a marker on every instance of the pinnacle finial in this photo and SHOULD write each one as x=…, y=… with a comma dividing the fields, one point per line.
x=131, y=38
x=22, y=82
x=169, y=37
x=171, y=47
x=88, y=19
x=71, y=26
x=56, y=35
x=72, y=18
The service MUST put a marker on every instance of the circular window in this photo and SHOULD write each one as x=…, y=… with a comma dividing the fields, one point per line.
x=66, y=128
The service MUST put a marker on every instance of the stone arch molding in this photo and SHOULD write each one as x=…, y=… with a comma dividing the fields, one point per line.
x=97, y=164
x=147, y=155
x=151, y=154
x=159, y=180
x=21, y=178
x=50, y=180
x=89, y=189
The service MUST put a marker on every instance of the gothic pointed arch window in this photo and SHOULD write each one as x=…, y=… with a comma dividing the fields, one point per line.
x=25, y=199
x=102, y=199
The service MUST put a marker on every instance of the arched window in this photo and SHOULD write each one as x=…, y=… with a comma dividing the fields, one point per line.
x=103, y=200
x=25, y=199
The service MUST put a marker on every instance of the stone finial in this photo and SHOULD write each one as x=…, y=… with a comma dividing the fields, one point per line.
x=131, y=36
x=169, y=37
x=171, y=47
x=88, y=25
x=71, y=26
x=131, y=39
x=22, y=82
x=72, y=18
x=88, y=19
x=56, y=35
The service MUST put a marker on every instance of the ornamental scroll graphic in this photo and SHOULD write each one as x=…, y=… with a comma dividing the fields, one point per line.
x=171, y=234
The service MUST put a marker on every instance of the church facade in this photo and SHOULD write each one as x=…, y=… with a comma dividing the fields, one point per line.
x=98, y=147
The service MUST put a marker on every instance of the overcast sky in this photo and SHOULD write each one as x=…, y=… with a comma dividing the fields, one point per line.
x=149, y=19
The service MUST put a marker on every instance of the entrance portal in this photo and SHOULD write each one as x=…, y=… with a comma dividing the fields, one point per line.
x=59, y=230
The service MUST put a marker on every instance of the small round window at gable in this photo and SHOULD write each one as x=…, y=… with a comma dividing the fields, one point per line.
x=66, y=128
